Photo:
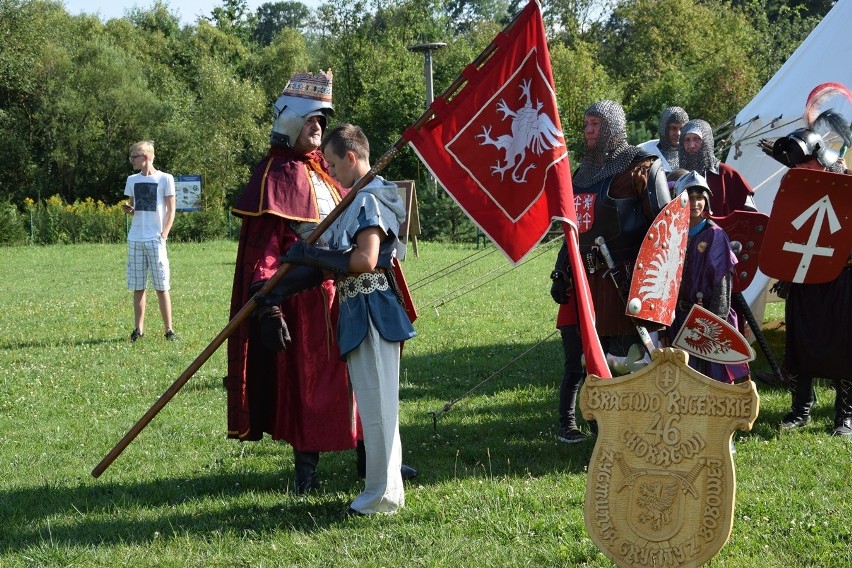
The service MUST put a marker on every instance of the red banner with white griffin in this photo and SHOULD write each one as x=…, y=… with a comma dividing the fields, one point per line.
x=497, y=147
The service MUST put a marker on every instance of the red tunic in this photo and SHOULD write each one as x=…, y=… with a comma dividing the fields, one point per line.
x=729, y=190
x=301, y=395
x=610, y=319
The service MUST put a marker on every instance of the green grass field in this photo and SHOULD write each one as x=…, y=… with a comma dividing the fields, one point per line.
x=495, y=487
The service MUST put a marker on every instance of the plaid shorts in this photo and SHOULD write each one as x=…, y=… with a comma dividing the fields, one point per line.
x=147, y=257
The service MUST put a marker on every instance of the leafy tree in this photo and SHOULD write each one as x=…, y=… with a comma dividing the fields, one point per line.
x=781, y=27
x=276, y=62
x=569, y=20
x=677, y=52
x=156, y=19
x=230, y=131
x=273, y=17
x=464, y=14
x=234, y=18
x=580, y=81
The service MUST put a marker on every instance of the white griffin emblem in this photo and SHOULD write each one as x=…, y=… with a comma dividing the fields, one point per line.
x=530, y=129
x=660, y=279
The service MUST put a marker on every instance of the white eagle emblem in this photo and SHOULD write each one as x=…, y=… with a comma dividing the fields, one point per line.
x=661, y=279
x=707, y=338
x=531, y=129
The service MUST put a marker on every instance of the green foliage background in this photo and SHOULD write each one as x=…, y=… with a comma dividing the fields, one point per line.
x=75, y=92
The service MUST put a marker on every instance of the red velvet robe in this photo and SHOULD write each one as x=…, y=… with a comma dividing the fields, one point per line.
x=302, y=394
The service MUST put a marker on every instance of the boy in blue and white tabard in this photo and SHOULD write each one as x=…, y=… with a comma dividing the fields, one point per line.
x=373, y=321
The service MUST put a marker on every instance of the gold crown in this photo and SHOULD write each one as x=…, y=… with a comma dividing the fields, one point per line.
x=310, y=86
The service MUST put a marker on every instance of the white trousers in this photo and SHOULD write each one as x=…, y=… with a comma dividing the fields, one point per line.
x=374, y=373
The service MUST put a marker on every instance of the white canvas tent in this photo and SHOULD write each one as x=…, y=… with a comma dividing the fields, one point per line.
x=778, y=109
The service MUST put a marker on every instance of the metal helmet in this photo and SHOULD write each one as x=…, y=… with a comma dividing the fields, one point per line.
x=802, y=145
x=306, y=95
x=693, y=182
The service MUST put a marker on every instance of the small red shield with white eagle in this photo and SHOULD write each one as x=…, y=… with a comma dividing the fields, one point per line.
x=809, y=235
x=707, y=336
x=510, y=145
x=656, y=274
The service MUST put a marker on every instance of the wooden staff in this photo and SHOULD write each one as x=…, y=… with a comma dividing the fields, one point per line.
x=249, y=307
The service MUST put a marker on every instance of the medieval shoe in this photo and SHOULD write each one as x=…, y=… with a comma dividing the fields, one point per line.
x=570, y=436
x=306, y=471
x=794, y=420
x=843, y=427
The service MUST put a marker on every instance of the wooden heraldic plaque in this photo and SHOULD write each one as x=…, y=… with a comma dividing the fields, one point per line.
x=661, y=483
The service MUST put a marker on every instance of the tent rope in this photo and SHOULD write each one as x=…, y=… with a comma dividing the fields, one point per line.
x=449, y=405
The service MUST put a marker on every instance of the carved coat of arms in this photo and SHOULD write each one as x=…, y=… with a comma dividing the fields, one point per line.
x=661, y=483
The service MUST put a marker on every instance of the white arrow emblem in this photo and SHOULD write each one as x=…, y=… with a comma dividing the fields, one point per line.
x=809, y=250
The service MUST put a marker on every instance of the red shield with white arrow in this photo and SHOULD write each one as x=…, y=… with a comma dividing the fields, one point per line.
x=809, y=235
x=709, y=337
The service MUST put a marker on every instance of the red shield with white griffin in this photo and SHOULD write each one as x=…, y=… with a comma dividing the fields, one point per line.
x=746, y=230
x=656, y=274
x=707, y=336
x=810, y=229
x=510, y=145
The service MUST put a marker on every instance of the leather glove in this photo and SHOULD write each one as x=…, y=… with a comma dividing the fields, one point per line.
x=561, y=288
x=273, y=329
x=334, y=261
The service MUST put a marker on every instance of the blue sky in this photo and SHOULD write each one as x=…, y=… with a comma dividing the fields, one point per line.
x=189, y=10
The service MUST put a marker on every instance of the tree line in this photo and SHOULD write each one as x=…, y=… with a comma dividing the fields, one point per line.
x=75, y=92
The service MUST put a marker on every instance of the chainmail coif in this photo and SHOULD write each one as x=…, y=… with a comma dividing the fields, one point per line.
x=704, y=160
x=670, y=115
x=611, y=154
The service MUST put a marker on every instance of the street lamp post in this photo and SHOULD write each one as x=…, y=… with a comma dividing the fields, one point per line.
x=426, y=49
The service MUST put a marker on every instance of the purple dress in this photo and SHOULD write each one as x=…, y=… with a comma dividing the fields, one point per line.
x=708, y=270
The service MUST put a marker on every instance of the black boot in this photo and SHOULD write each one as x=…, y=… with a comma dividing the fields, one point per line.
x=843, y=408
x=572, y=376
x=306, y=470
x=804, y=396
x=569, y=433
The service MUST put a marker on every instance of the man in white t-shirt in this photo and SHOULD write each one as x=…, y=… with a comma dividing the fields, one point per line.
x=151, y=201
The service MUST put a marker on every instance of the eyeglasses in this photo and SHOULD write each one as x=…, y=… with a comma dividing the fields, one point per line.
x=134, y=156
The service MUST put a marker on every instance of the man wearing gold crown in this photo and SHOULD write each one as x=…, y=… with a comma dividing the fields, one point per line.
x=285, y=375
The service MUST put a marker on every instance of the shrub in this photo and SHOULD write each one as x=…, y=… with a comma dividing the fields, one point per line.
x=207, y=224
x=89, y=221
x=12, y=225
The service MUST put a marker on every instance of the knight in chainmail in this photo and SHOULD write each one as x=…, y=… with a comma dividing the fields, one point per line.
x=666, y=146
x=618, y=191
x=696, y=151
